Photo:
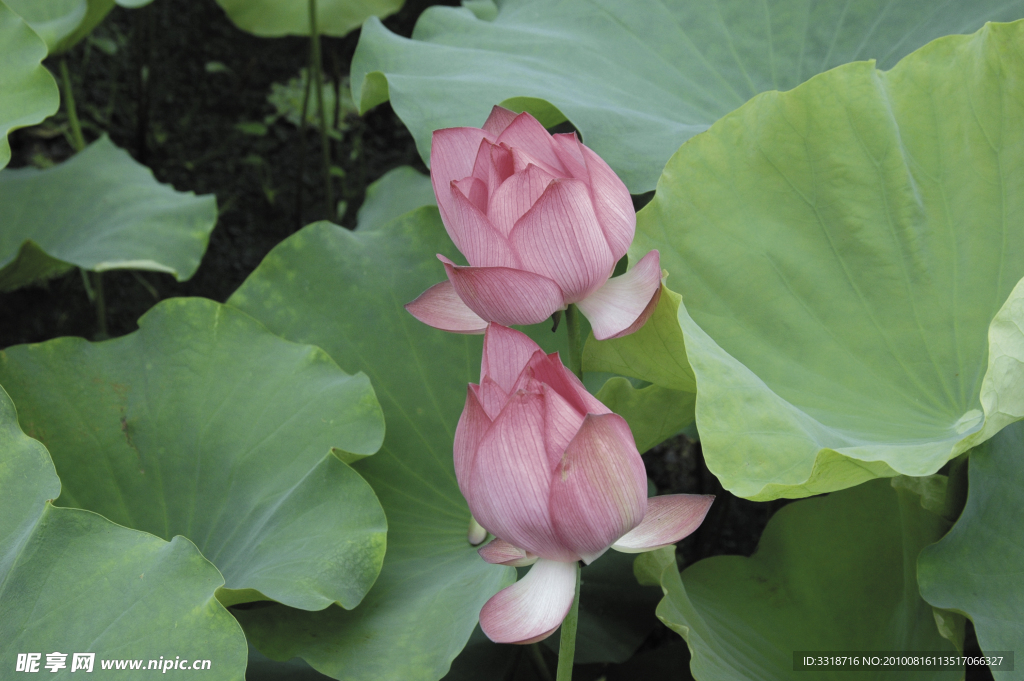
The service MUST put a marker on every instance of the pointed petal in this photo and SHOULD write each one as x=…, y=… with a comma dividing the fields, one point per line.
x=511, y=479
x=515, y=196
x=624, y=303
x=440, y=307
x=452, y=155
x=506, y=354
x=473, y=233
x=560, y=238
x=612, y=203
x=473, y=189
x=669, y=518
x=561, y=423
x=505, y=295
x=550, y=371
x=521, y=160
x=476, y=533
x=531, y=609
x=599, y=492
x=526, y=133
x=499, y=119
x=567, y=148
x=500, y=552
x=490, y=395
x=473, y=423
x=492, y=166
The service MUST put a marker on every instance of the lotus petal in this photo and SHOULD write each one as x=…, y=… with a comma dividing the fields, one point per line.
x=531, y=609
x=506, y=352
x=599, y=493
x=442, y=308
x=669, y=518
x=499, y=119
x=472, y=232
x=526, y=133
x=515, y=196
x=505, y=295
x=624, y=303
x=500, y=552
x=454, y=152
x=473, y=423
x=561, y=239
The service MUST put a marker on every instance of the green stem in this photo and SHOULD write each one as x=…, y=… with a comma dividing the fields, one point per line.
x=567, y=644
x=572, y=325
x=101, y=307
x=77, y=139
x=318, y=82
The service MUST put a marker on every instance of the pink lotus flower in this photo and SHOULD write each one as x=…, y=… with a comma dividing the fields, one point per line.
x=557, y=478
x=542, y=221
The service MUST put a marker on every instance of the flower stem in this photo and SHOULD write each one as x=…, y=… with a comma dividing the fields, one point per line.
x=572, y=324
x=77, y=139
x=318, y=82
x=567, y=644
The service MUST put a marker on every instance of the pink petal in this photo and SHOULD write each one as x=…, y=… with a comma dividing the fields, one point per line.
x=561, y=423
x=599, y=492
x=452, y=155
x=493, y=166
x=527, y=134
x=440, y=307
x=473, y=189
x=669, y=518
x=515, y=196
x=506, y=354
x=521, y=160
x=505, y=295
x=499, y=119
x=531, y=609
x=490, y=395
x=473, y=233
x=500, y=552
x=560, y=238
x=473, y=423
x=612, y=203
x=511, y=479
x=624, y=303
x=567, y=148
x=550, y=371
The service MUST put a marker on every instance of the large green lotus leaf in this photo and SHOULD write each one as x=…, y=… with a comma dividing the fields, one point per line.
x=270, y=18
x=204, y=424
x=72, y=581
x=29, y=91
x=832, y=573
x=637, y=77
x=848, y=255
x=978, y=568
x=344, y=292
x=654, y=413
x=99, y=210
x=398, y=191
x=62, y=23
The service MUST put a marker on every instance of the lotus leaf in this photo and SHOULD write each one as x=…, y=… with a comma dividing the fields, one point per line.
x=637, y=77
x=71, y=581
x=99, y=210
x=848, y=257
x=978, y=568
x=30, y=92
x=271, y=18
x=204, y=424
x=832, y=573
